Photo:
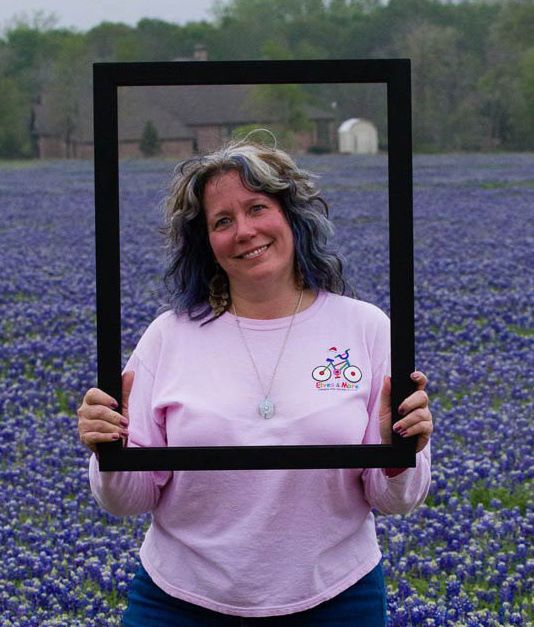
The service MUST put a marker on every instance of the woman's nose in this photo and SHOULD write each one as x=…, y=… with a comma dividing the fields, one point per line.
x=245, y=228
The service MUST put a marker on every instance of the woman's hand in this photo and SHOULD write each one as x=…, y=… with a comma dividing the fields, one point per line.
x=98, y=421
x=416, y=416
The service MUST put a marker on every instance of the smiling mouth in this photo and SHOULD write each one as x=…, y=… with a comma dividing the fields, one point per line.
x=254, y=253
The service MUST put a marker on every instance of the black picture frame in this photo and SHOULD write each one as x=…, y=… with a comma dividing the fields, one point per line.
x=395, y=74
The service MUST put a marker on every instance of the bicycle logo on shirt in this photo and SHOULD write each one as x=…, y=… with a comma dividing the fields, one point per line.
x=338, y=366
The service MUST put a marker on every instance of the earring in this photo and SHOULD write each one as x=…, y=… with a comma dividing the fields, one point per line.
x=219, y=298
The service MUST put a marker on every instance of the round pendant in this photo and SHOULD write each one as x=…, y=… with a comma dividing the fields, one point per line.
x=266, y=408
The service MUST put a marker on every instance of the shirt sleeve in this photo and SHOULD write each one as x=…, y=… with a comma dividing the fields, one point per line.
x=134, y=492
x=404, y=492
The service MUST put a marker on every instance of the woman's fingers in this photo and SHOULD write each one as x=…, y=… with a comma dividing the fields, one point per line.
x=98, y=422
x=96, y=431
x=420, y=379
x=91, y=439
x=102, y=426
x=416, y=417
x=100, y=412
x=414, y=401
x=418, y=421
x=95, y=396
x=423, y=431
x=420, y=429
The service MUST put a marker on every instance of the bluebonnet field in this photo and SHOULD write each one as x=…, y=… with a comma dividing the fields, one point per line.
x=461, y=559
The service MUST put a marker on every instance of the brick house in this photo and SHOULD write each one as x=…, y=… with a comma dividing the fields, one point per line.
x=189, y=119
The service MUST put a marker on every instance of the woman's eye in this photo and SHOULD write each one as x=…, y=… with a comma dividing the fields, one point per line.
x=256, y=208
x=222, y=222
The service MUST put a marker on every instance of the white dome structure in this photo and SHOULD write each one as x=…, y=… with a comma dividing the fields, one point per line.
x=358, y=136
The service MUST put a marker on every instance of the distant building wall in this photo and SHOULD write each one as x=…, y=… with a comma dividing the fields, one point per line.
x=51, y=148
x=56, y=148
x=129, y=149
x=304, y=140
x=177, y=148
x=320, y=136
x=209, y=138
x=358, y=136
x=85, y=150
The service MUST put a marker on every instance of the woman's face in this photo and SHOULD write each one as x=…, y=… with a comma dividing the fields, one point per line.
x=249, y=234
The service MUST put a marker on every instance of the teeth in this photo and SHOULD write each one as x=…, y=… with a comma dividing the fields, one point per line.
x=254, y=253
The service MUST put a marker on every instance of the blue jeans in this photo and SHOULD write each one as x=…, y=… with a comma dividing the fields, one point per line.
x=361, y=605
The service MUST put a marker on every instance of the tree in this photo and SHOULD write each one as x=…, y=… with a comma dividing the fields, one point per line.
x=504, y=86
x=472, y=63
x=110, y=41
x=434, y=51
x=26, y=60
x=68, y=94
x=157, y=40
x=162, y=41
x=149, y=144
x=14, y=120
x=526, y=78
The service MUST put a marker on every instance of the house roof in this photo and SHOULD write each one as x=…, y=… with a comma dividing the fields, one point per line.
x=174, y=111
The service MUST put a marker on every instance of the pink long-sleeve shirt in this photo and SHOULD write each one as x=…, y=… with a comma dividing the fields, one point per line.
x=260, y=542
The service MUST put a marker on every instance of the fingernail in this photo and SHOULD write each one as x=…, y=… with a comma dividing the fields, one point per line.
x=124, y=432
x=402, y=411
x=397, y=427
x=124, y=422
x=415, y=376
x=403, y=433
x=115, y=436
x=115, y=404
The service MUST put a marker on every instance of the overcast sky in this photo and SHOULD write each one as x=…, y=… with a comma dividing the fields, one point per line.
x=84, y=14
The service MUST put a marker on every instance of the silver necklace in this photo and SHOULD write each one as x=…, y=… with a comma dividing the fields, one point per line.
x=266, y=406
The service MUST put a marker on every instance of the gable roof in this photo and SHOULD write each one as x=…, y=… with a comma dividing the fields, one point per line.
x=174, y=111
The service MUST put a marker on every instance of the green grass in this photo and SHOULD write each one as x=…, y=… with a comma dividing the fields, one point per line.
x=373, y=187
x=435, y=586
x=8, y=328
x=113, y=598
x=422, y=584
x=430, y=500
x=29, y=372
x=521, y=331
x=19, y=164
x=496, y=403
x=64, y=401
x=23, y=516
x=464, y=390
x=505, y=184
x=520, y=496
x=445, y=402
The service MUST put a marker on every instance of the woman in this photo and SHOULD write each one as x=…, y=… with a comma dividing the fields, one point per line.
x=260, y=347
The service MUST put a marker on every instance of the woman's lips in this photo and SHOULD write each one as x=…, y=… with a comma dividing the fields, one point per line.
x=254, y=253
